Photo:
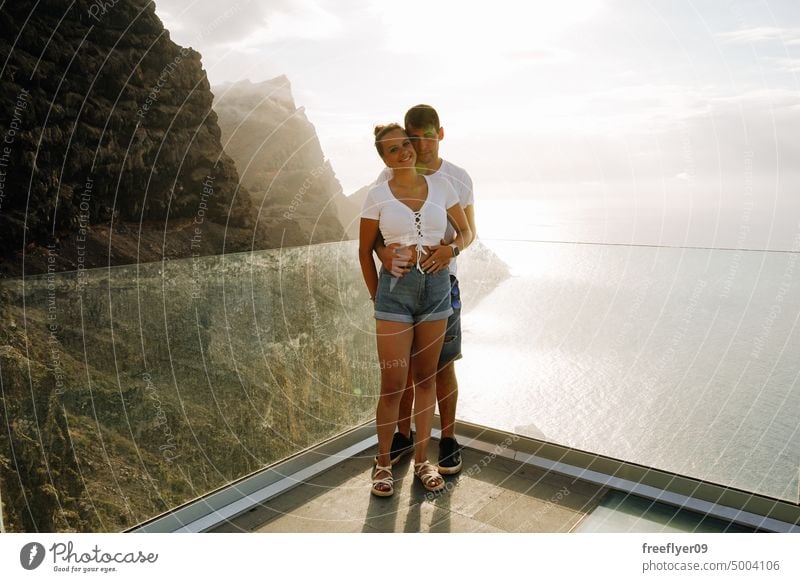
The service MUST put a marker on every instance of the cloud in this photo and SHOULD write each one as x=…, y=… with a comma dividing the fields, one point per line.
x=244, y=24
x=761, y=34
x=550, y=55
x=788, y=65
x=207, y=23
x=475, y=29
x=759, y=99
x=300, y=20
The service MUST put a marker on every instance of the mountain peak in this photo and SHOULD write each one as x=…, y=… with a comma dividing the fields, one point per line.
x=277, y=89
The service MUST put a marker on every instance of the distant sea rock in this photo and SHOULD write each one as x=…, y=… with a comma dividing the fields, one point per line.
x=111, y=151
x=295, y=192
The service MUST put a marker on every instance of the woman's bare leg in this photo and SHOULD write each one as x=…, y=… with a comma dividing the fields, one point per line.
x=394, y=354
x=406, y=404
x=428, y=338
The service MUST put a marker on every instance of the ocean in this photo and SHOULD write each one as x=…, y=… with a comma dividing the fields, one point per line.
x=682, y=359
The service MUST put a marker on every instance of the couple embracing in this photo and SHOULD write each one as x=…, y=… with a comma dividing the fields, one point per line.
x=417, y=217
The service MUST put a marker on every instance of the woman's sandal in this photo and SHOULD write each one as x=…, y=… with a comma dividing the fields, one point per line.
x=387, y=481
x=428, y=475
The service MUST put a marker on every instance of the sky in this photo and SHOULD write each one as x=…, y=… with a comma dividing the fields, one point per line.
x=673, y=122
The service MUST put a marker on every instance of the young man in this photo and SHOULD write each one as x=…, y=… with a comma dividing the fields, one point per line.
x=423, y=127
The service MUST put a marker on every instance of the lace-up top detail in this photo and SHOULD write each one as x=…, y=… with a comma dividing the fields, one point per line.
x=418, y=233
x=400, y=224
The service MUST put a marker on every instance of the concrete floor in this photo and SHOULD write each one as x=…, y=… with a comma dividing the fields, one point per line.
x=489, y=495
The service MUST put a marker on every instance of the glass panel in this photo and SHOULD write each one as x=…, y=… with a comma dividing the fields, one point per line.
x=679, y=359
x=622, y=513
x=128, y=391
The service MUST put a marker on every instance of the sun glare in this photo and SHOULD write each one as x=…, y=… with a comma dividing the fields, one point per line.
x=471, y=28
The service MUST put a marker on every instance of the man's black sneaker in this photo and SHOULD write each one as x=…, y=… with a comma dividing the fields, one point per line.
x=449, y=456
x=400, y=446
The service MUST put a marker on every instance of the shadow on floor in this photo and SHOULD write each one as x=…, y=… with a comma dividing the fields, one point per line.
x=490, y=495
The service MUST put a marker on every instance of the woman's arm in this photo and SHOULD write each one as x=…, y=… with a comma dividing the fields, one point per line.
x=367, y=235
x=440, y=255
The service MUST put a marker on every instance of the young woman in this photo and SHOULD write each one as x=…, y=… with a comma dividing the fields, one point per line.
x=411, y=312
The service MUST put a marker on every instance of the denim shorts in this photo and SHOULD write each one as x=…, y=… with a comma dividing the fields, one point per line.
x=451, y=348
x=414, y=297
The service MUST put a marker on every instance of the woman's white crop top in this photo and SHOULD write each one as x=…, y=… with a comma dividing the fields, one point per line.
x=399, y=224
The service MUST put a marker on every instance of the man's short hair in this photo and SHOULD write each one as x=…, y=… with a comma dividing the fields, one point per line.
x=422, y=116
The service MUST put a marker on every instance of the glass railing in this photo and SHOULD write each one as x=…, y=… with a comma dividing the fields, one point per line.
x=129, y=391
x=684, y=360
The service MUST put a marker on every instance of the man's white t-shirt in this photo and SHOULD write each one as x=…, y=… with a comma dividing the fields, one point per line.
x=461, y=183
x=399, y=224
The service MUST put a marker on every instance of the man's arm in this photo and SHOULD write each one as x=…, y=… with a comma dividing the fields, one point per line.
x=470, y=212
x=395, y=258
x=440, y=255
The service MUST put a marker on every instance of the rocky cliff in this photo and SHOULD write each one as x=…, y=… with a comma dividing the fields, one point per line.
x=280, y=160
x=110, y=151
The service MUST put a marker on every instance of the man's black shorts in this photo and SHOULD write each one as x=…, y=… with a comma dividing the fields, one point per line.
x=451, y=349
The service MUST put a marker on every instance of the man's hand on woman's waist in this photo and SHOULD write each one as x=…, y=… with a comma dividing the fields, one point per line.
x=437, y=259
x=399, y=259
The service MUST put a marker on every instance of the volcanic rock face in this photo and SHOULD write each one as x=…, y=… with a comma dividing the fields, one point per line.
x=110, y=151
x=278, y=154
